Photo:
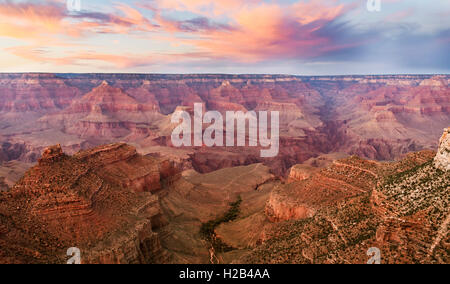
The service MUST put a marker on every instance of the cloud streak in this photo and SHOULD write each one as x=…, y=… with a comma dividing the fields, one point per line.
x=132, y=35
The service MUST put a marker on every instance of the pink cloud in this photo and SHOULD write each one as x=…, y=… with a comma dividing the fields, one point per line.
x=267, y=31
x=50, y=19
x=239, y=30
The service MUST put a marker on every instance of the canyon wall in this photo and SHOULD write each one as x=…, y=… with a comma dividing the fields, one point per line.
x=376, y=117
x=101, y=201
x=121, y=207
x=337, y=214
x=442, y=160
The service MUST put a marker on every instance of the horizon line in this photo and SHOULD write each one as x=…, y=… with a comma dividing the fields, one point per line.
x=226, y=74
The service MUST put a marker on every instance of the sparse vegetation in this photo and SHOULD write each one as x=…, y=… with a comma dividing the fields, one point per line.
x=418, y=188
x=207, y=229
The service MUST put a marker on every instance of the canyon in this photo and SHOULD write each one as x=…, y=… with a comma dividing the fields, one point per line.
x=375, y=117
x=118, y=206
x=99, y=200
x=86, y=161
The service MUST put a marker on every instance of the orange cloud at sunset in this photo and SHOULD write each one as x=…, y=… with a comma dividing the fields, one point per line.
x=30, y=20
x=260, y=31
x=130, y=35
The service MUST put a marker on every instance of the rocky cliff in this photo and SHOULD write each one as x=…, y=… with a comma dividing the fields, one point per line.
x=117, y=206
x=99, y=201
x=338, y=213
x=400, y=208
x=301, y=199
x=442, y=160
x=376, y=117
x=300, y=173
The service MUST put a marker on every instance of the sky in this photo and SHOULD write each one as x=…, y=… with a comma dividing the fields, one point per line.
x=298, y=37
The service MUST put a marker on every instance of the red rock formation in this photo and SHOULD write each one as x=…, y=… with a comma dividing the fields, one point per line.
x=35, y=93
x=377, y=117
x=400, y=208
x=442, y=160
x=302, y=199
x=300, y=173
x=98, y=200
x=106, y=112
x=281, y=208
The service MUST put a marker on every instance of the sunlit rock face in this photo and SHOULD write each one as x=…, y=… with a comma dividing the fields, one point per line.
x=442, y=160
x=100, y=200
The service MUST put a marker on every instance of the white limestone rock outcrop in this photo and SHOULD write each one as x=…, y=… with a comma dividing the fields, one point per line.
x=442, y=160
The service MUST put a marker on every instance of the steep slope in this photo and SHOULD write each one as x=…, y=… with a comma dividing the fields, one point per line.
x=12, y=171
x=28, y=96
x=375, y=117
x=120, y=207
x=442, y=160
x=197, y=198
x=99, y=201
x=338, y=214
x=105, y=112
x=390, y=120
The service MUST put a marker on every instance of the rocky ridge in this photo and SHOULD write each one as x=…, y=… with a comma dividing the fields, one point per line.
x=99, y=201
x=375, y=117
x=120, y=207
x=442, y=160
x=399, y=207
